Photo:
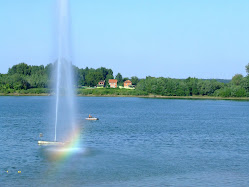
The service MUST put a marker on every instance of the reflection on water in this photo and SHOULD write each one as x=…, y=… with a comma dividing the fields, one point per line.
x=136, y=142
x=58, y=153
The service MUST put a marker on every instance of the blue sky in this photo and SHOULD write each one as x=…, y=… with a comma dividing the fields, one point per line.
x=178, y=39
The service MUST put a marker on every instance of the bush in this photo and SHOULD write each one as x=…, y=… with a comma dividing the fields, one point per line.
x=224, y=92
x=111, y=91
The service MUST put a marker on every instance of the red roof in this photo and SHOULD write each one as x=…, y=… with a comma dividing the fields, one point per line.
x=127, y=81
x=113, y=80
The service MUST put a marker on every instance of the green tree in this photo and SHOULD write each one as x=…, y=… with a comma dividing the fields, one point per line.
x=108, y=76
x=93, y=78
x=237, y=91
x=105, y=72
x=192, y=86
x=237, y=79
x=134, y=80
x=22, y=69
x=247, y=68
x=119, y=78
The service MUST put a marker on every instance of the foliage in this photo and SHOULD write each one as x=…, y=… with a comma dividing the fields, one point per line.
x=176, y=87
x=119, y=78
x=134, y=80
x=110, y=92
x=247, y=68
x=27, y=79
x=93, y=78
x=24, y=77
x=237, y=79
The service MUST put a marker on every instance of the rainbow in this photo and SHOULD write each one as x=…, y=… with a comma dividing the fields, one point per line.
x=70, y=147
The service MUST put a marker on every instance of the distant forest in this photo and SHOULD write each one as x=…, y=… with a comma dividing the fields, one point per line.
x=27, y=79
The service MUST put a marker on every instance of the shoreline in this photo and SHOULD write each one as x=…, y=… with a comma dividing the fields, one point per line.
x=17, y=94
x=144, y=96
x=172, y=97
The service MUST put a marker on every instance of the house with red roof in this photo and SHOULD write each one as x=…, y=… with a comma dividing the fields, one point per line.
x=127, y=83
x=101, y=84
x=113, y=83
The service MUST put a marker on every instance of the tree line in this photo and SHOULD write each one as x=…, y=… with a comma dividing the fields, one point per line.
x=237, y=87
x=23, y=78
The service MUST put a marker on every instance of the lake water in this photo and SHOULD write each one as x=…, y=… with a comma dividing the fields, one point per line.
x=136, y=142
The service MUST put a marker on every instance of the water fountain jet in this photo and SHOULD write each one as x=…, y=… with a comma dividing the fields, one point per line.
x=63, y=77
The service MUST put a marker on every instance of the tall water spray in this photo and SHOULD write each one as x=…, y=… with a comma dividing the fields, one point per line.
x=64, y=84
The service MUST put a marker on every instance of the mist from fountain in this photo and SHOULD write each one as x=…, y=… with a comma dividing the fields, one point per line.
x=63, y=78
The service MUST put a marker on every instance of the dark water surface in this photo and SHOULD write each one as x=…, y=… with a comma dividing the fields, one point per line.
x=136, y=142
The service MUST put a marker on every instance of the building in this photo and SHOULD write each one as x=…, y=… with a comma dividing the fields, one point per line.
x=113, y=83
x=101, y=84
x=127, y=83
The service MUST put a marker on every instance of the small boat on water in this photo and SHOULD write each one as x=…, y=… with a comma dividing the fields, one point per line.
x=50, y=143
x=92, y=119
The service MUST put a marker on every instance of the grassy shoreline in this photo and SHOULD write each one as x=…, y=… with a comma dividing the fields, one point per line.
x=141, y=96
x=172, y=97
